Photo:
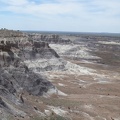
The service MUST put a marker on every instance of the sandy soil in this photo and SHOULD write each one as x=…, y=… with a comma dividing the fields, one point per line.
x=93, y=94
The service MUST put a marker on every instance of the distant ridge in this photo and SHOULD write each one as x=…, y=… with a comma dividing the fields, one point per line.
x=73, y=33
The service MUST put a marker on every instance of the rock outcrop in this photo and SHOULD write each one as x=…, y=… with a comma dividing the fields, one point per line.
x=15, y=76
x=50, y=38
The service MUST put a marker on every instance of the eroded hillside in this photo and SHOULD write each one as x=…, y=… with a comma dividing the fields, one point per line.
x=49, y=76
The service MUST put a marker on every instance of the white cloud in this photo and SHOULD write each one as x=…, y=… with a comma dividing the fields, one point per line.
x=15, y=2
x=74, y=15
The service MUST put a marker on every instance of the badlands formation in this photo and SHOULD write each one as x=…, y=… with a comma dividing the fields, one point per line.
x=46, y=76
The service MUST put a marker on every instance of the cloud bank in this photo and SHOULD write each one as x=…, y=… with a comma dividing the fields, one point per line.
x=61, y=15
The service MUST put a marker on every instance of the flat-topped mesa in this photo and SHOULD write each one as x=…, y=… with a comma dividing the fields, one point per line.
x=5, y=33
x=50, y=38
x=10, y=38
x=37, y=50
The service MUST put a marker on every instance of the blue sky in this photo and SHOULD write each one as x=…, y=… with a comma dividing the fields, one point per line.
x=61, y=15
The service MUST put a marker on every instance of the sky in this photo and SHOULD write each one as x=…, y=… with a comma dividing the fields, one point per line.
x=61, y=15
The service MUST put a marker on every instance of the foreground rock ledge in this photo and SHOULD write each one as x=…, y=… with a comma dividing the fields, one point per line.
x=15, y=76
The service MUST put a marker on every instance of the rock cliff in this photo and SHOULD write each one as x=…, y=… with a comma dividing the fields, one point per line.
x=15, y=76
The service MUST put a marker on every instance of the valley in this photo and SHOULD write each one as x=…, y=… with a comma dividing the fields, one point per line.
x=59, y=76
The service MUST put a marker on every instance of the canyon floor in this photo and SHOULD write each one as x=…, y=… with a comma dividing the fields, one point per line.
x=90, y=84
x=92, y=92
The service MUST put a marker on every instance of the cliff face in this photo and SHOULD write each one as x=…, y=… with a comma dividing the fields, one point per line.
x=50, y=38
x=15, y=50
x=15, y=76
